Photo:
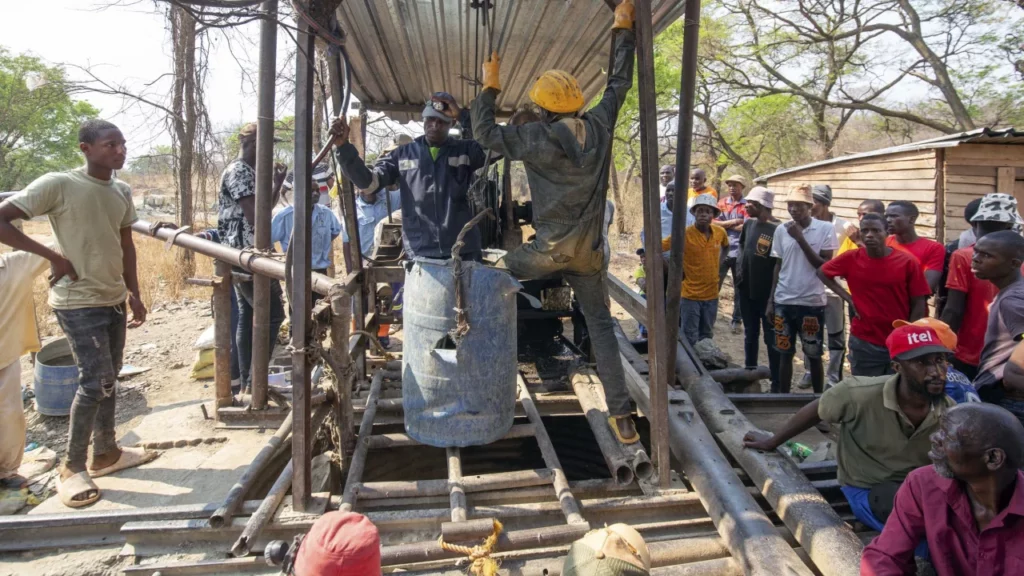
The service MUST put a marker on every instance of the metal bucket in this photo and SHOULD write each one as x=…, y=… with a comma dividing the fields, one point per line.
x=56, y=379
x=458, y=391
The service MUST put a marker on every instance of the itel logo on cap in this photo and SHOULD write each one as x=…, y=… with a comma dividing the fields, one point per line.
x=919, y=338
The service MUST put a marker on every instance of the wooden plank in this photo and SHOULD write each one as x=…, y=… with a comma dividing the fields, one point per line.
x=1011, y=155
x=994, y=162
x=873, y=172
x=861, y=194
x=1005, y=177
x=984, y=180
x=953, y=169
x=959, y=201
x=1018, y=190
x=882, y=163
x=940, y=194
x=972, y=190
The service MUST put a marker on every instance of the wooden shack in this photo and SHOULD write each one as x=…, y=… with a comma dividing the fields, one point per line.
x=940, y=176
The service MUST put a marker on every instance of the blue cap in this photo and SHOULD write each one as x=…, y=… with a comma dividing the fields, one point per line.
x=430, y=109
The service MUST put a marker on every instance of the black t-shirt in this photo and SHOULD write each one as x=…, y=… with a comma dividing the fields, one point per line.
x=756, y=264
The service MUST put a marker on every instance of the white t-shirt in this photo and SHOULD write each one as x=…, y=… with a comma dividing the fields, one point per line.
x=798, y=284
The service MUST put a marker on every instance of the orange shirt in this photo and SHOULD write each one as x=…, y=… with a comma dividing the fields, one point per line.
x=701, y=257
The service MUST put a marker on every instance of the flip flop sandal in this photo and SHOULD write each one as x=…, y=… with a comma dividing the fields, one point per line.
x=615, y=430
x=130, y=458
x=77, y=485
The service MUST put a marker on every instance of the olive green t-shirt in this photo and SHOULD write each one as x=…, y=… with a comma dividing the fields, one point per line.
x=86, y=216
x=877, y=442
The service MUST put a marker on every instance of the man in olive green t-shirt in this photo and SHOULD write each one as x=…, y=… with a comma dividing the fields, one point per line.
x=885, y=421
x=93, y=277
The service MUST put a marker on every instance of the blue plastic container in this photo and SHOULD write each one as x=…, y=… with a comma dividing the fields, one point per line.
x=464, y=394
x=56, y=379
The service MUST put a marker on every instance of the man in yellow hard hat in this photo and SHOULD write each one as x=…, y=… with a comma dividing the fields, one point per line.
x=566, y=159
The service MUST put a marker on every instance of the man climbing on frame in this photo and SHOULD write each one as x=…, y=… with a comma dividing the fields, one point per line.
x=566, y=159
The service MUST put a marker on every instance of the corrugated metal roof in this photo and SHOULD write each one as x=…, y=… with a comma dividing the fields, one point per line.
x=978, y=136
x=401, y=51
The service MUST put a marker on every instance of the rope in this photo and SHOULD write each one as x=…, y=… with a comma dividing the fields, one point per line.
x=480, y=556
x=461, y=321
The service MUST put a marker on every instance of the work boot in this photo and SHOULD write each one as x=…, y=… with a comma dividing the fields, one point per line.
x=624, y=429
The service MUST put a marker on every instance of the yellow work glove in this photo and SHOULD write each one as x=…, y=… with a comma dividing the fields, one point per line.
x=625, y=14
x=491, y=72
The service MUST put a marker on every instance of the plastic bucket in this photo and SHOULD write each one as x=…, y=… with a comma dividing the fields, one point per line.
x=56, y=379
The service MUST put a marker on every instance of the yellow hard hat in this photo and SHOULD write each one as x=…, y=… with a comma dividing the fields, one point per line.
x=557, y=91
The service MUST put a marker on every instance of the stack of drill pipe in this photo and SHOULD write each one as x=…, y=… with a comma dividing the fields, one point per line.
x=623, y=461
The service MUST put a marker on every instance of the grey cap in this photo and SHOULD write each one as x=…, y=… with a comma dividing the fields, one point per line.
x=822, y=193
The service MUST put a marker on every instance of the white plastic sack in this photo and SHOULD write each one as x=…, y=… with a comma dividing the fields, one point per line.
x=205, y=340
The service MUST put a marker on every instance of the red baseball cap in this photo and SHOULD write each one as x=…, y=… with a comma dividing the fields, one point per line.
x=340, y=544
x=912, y=340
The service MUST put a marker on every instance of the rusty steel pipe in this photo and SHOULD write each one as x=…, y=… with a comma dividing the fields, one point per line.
x=223, y=515
x=590, y=394
x=253, y=262
x=355, y=470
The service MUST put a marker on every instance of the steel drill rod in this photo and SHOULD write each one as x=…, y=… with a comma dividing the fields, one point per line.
x=518, y=540
x=253, y=262
x=585, y=383
x=567, y=501
x=399, y=440
x=265, y=513
x=228, y=509
x=743, y=526
x=457, y=496
x=355, y=471
x=470, y=484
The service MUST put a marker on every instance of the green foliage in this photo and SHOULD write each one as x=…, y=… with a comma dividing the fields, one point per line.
x=38, y=127
x=770, y=131
x=159, y=160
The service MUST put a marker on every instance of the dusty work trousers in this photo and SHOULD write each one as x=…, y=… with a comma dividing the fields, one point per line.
x=97, y=339
x=12, y=420
x=592, y=295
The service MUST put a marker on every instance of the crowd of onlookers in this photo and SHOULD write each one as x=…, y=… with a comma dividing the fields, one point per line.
x=940, y=481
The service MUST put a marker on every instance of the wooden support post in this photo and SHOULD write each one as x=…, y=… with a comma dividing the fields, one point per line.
x=656, y=321
x=222, y=336
x=302, y=251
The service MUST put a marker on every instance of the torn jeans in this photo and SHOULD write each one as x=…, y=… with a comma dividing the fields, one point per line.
x=97, y=339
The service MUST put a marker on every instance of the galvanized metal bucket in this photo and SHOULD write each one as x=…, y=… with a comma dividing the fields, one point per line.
x=459, y=378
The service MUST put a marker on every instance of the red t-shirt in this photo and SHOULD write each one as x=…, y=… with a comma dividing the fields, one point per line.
x=929, y=253
x=881, y=289
x=980, y=293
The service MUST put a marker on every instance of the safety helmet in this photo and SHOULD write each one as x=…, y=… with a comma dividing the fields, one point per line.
x=557, y=91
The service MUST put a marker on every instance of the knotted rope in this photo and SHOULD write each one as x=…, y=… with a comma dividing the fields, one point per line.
x=480, y=556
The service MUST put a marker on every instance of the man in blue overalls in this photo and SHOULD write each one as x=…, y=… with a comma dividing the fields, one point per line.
x=434, y=172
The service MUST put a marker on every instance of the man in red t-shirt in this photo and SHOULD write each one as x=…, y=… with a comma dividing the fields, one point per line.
x=967, y=302
x=887, y=284
x=900, y=216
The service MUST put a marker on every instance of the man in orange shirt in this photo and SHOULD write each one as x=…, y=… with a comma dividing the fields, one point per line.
x=706, y=247
x=698, y=186
x=900, y=216
x=969, y=297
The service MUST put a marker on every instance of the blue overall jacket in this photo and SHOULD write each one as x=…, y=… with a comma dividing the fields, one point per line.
x=435, y=199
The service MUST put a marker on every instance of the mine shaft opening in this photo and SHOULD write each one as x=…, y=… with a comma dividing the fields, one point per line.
x=571, y=436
